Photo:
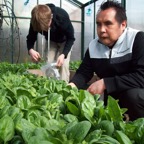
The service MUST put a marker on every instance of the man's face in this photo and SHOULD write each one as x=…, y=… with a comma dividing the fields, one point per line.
x=108, y=29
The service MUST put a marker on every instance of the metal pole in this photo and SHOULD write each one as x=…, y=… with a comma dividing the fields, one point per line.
x=12, y=40
x=82, y=33
x=123, y=2
x=37, y=43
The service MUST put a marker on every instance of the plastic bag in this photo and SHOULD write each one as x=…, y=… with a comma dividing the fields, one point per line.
x=51, y=71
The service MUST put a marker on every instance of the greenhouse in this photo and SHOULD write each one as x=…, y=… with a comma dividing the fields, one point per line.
x=99, y=100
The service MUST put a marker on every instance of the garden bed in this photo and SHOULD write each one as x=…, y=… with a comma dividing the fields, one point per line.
x=36, y=72
x=39, y=110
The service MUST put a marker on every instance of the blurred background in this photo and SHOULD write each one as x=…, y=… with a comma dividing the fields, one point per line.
x=15, y=19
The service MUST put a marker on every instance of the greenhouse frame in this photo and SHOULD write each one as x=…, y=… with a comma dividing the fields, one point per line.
x=15, y=18
x=101, y=102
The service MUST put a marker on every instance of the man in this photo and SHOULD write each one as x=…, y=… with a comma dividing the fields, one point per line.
x=117, y=57
x=47, y=18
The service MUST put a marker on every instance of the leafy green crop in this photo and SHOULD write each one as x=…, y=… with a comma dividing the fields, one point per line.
x=37, y=110
x=74, y=65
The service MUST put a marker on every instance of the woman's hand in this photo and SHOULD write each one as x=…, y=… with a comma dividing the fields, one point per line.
x=72, y=84
x=35, y=56
x=60, y=60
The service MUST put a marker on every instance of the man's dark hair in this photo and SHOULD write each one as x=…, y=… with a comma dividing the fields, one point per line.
x=120, y=11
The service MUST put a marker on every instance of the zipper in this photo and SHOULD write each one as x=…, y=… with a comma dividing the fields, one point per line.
x=110, y=53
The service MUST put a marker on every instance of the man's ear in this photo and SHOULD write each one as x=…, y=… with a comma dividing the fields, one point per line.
x=124, y=24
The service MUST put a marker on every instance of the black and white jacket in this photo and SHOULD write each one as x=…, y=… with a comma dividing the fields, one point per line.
x=121, y=67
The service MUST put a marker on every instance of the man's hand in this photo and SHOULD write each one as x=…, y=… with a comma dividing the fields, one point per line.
x=35, y=56
x=60, y=60
x=97, y=87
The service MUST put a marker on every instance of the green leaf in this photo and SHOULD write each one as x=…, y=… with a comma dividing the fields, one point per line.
x=41, y=100
x=94, y=135
x=74, y=65
x=4, y=111
x=73, y=109
x=36, y=140
x=70, y=118
x=87, y=108
x=88, y=104
x=17, y=139
x=78, y=131
x=27, y=129
x=138, y=130
x=3, y=101
x=23, y=102
x=114, y=110
x=41, y=133
x=33, y=113
x=53, y=125
x=50, y=86
x=55, y=98
x=13, y=112
x=6, y=128
x=122, y=137
x=23, y=91
x=105, y=139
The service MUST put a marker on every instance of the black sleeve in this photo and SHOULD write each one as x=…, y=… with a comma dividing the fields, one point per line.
x=67, y=28
x=31, y=37
x=84, y=73
x=69, y=33
x=135, y=78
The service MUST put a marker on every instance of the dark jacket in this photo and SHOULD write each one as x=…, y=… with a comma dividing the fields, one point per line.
x=121, y=67
x=61, y=30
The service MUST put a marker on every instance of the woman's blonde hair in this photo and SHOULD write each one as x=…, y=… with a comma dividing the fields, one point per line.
x=41, y=16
